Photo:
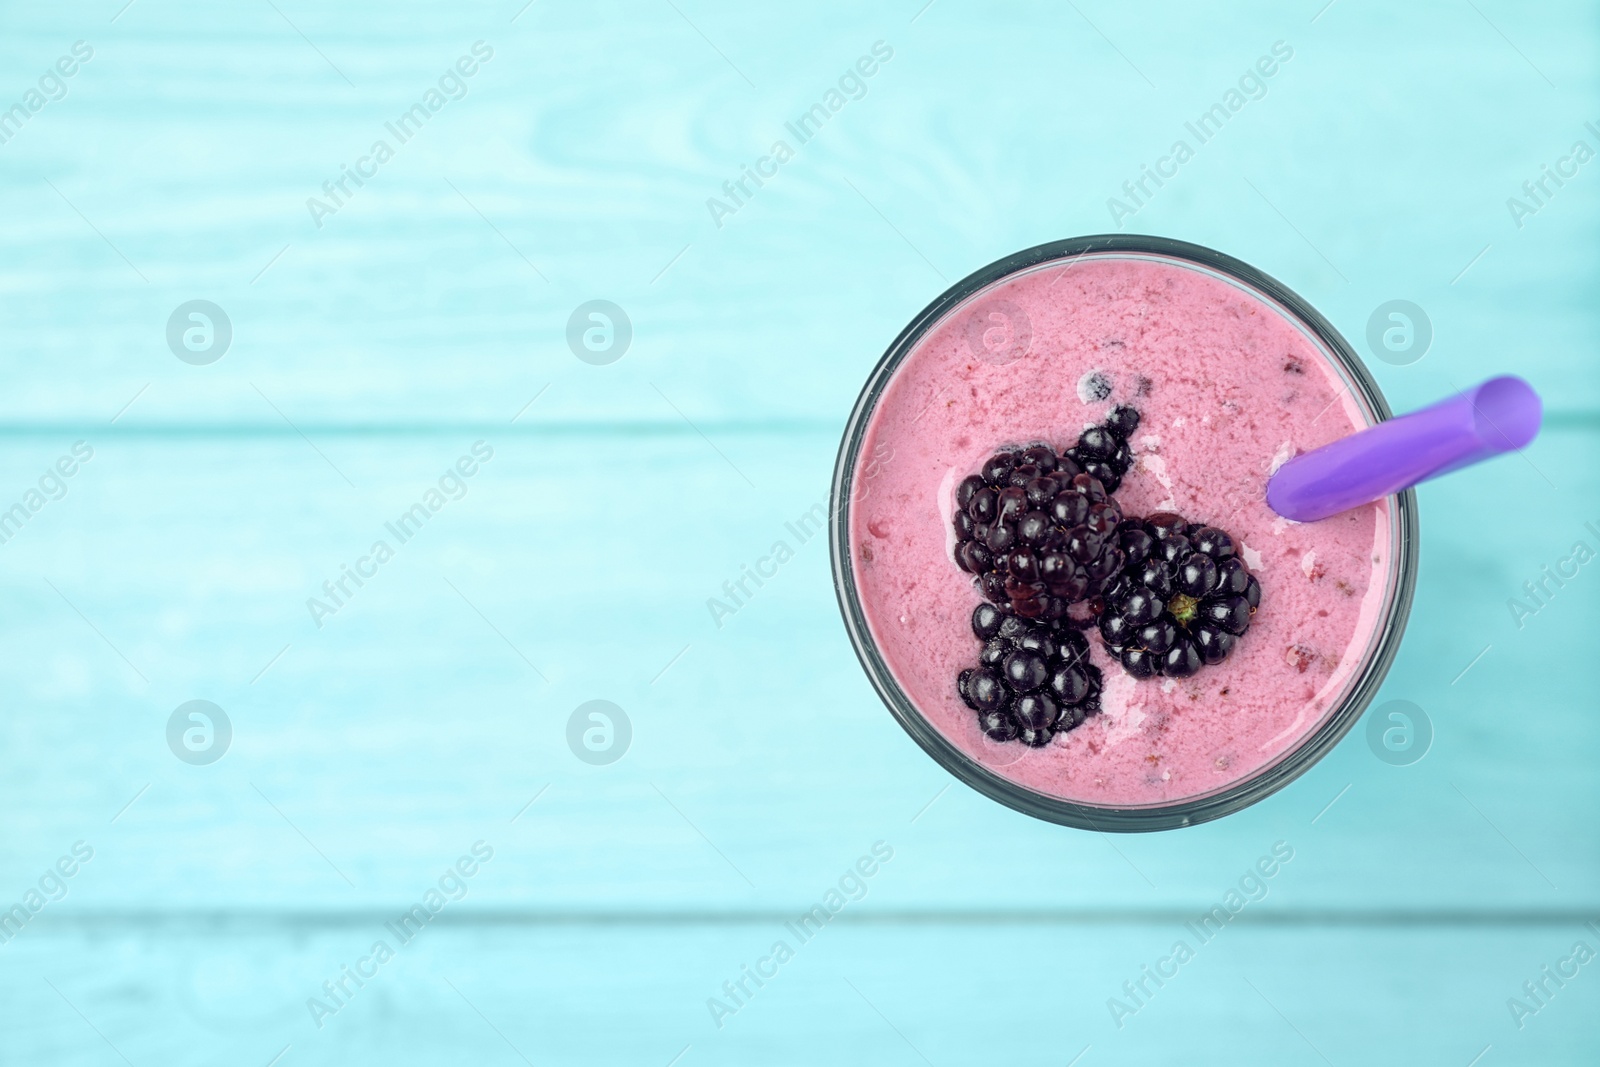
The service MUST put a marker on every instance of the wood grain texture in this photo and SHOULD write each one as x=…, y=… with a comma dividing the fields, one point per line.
x=429, y=313
x=426, y=712
x=851, y=994
x=1371, y=169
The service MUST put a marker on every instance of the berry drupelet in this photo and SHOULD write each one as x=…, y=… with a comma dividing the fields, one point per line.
x=1182, y=601
x=1033, y=678
x=1104, y=451
x=1036, y=529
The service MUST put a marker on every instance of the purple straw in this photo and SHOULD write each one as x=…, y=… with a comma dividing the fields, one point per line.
x=1498, y=416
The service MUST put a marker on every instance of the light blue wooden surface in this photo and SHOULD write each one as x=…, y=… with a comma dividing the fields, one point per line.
x=425, y=315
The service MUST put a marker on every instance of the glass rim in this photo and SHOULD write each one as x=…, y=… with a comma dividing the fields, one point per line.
x=1131, y=818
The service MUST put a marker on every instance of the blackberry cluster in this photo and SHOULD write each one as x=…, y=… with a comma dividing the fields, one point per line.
x=1103, y=451
x=1033, y=678
x=1037, y=529
x=1182, y=600
x=1040, y=531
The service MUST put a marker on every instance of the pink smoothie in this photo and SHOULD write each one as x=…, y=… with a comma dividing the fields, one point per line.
x=1228, y=388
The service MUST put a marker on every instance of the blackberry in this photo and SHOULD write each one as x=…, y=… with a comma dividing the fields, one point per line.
x=1041, y=456
x=984, y=691
x=1122, y=421
x=1034, y=679
x=1036, y=712
x=994, y=652
x=999, y=465
x=981, y=506
x=967, y=489
x=999, y=725
x=1105, y=473
x=1025, y=671
x=1097, y=442
x=1038, y=529
x=1036, y=532
x=986, y=620
x=1103, y=451
x=1181, y=601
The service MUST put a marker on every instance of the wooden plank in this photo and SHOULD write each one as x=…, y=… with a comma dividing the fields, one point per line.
x=853, y=993
x=416, y=719
x=442, y=290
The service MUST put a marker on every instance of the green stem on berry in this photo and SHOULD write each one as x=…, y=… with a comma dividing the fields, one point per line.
x=1183, y=608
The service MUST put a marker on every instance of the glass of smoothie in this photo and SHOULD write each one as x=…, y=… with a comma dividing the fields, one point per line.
x=1227, y=375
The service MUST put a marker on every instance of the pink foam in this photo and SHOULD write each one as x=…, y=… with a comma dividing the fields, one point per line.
x=1227, y=387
